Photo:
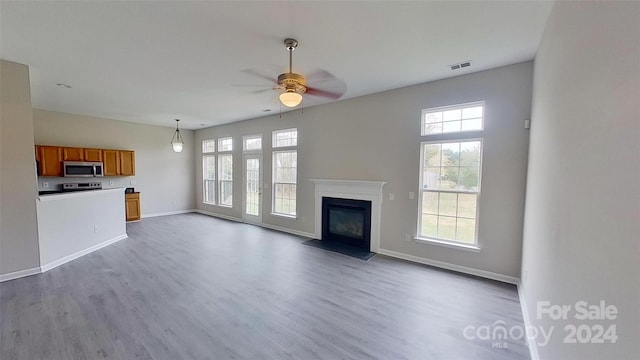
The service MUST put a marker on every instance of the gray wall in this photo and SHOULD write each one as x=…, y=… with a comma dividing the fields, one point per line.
x=377, y=137
x=583, y=204
x=18, y=227
x=164, y=178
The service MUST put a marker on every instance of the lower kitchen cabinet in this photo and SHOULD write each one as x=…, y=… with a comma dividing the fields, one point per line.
x=132, y=204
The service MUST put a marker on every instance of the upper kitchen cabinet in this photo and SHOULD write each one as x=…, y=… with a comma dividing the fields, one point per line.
x=72, y=154
x=93, y=155
x=127, y=163
x=49, y=160
x=119, y=162
x=111, y=160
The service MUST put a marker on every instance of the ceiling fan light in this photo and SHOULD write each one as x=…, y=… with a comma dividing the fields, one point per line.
x=290, y=99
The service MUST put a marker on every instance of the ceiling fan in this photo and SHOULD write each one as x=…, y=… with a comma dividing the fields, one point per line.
x=291, y=85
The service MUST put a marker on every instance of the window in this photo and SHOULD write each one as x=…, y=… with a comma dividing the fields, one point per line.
x=252, y=143
x=285, y=138
x=217, y=181
x=450, y=174
x=467, y=117
x=285, y=172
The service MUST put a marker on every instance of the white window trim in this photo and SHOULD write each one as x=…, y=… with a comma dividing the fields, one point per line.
x=475, y=246
x=273, y=182
x=452, y=107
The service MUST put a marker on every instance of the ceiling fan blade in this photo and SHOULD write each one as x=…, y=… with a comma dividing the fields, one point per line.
x=261, y=91
x=320, y=75
x=262, y=76
x=324, y=93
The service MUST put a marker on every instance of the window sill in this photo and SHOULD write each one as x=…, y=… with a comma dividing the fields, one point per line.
x=449, y=244
x=284, y=215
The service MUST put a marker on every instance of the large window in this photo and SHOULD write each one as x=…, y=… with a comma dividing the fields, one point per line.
x=217, y=181
x=450, y=178
x=285, y=172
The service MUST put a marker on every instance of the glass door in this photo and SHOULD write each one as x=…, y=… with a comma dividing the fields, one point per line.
x=252, y=189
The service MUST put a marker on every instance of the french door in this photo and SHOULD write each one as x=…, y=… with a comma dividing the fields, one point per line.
x=252, y=188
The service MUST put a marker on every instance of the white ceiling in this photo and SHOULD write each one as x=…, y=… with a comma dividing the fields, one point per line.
x=151, y=62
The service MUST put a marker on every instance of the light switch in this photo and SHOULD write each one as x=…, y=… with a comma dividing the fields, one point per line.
x=392, y=196
x=412, y=195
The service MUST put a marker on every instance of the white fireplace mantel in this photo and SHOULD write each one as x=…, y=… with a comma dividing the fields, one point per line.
x=351, y=189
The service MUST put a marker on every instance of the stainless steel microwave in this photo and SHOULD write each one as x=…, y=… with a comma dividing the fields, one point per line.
x=83, y=169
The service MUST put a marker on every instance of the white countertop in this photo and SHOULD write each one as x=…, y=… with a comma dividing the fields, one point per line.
x=74, y=194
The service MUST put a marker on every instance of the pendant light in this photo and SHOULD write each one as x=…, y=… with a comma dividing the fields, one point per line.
x=176, y=141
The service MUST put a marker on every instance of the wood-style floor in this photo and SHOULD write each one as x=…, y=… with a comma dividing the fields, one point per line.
x=196, y=287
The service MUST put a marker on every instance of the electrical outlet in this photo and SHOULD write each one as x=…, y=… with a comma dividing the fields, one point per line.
x=392, y=196
x=45, y=184
x=133, y=182
x=96, y=229
x=111, y=182
x=412, y=195
x=407, y=237
x=303, y=219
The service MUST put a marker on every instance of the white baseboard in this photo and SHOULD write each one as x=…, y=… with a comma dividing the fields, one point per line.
x=169, y=213
x=449, y=266
x=290, y=231
x=19, y=274
x=222, y=216
x=66, y=259
x=533, y=346
x=267, y=226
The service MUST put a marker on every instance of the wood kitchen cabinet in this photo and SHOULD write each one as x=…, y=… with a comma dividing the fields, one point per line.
x=72, y=154
x=119, y=162
x=111, y=160
x=49, y=160
x=132, y=204
x=127, y=163
x=93, y=155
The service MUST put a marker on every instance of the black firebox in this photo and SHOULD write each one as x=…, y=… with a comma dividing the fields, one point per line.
x=347, y=221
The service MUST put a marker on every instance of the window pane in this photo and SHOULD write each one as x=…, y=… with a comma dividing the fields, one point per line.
x=226, y=192
x=467, y=205
x=449, y=177
x=209, y=167
x=447, y=228
x=225, y=144
x=431, y=178
x=472, y=112
x=435, y=117
x=448, y=204
x=429, y=226
x=226, y=167
x=432, y=154
x=468, y=178
x=209, y=191
x=452, y=115
x=208, y=146
x=466, y=230
x=433, y=128
x=430, y=203
x=473, y=124
x=451, y=126
x=450, y=154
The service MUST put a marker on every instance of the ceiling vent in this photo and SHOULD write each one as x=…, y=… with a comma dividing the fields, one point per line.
x=460, y=65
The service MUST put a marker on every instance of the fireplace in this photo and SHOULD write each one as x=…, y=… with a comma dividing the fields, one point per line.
x=347, y=221
x=355, y=208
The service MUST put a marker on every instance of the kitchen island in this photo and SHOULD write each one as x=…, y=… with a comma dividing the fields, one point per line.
x=74, y=224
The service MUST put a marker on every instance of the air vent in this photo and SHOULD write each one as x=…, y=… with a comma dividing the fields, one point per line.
x=460, y=65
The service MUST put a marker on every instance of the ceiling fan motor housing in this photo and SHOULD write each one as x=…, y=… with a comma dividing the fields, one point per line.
x=292, y=82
